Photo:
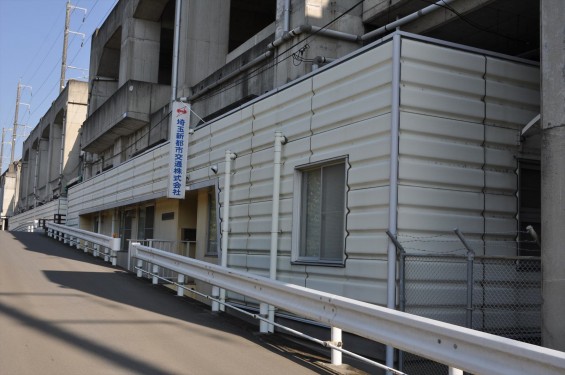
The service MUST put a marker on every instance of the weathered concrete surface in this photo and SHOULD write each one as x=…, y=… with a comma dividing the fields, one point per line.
x=64, y=312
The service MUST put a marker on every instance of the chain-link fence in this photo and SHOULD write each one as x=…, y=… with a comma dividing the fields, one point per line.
x=498, y=295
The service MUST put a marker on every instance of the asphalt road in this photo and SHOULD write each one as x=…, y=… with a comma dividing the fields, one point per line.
x=65, y=312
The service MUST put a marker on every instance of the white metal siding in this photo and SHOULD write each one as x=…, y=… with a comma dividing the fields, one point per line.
x=341, y=112
x=143, y=176
x=45, y=211
x=459, y=139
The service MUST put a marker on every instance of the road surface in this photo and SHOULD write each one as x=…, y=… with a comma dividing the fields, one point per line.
x=65, y=312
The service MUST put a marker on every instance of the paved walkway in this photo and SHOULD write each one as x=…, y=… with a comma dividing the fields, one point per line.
x=65, y=312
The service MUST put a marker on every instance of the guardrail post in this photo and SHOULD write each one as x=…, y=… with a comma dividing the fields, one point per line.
x=139, y=268
x=86, y=246
x=95, y=251
x=264, y=312
x=215, y=295
x=106, y=254
x=114, y=257
x=180, y=281
x=336, y=340
x=78, y=243
x=155, y=271
x=455, y=371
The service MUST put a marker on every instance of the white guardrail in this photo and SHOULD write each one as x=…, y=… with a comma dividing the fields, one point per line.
x=458, y=347
x=99, y=244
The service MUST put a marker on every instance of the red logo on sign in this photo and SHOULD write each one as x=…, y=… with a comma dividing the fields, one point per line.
x=182, y=111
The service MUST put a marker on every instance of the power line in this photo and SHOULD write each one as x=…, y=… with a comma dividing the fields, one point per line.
x=263, y=68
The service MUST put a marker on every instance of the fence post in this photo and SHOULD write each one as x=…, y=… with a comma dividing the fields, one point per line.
x=155, y=272
x=180, y=281
x=336, y=340
x=470, y=281
x=401, y=285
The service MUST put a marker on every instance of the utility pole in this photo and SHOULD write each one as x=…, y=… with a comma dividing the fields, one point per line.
x=66, y=41
x=16, y=118
x=15, y=127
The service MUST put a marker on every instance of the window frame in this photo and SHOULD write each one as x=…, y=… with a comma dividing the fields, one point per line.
x=297, y=227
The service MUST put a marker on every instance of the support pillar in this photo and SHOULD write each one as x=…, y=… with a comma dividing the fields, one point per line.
x=552, y=18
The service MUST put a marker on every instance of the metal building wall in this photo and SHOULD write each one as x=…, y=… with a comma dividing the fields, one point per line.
x=138, y=179
x=461, y=116
x=342, y=111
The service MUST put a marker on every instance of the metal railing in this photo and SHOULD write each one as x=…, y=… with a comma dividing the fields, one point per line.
x=458, y=347
x=97, y=244
x=183, y=248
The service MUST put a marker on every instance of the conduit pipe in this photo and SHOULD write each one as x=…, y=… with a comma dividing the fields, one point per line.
x=286, y=16
x=313, y=29
x=404, y=20
x=176, y=38
x=393, y=183
x=61, y=161
x=225, y=218
x=36, y=172
x=279, y=141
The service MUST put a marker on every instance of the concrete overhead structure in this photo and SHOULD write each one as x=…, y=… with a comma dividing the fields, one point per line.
x=51, y=156
x=9, y=193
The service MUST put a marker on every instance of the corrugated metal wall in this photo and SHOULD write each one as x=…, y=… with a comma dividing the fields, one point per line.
x=138, y=179
x=45, y=211
x=340, y=112
x=461, y=114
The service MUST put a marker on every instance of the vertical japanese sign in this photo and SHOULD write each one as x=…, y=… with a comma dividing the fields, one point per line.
x=178, y=149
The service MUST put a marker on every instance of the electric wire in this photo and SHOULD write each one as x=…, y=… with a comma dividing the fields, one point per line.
x=266, y=66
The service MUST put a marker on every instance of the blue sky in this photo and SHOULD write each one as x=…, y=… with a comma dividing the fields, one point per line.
x=31, y=47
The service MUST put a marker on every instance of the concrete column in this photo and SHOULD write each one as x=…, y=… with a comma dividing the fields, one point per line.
x=139, y=56
x=42, y=185
x=553, y=172
x=55, y=157
x=204, y=39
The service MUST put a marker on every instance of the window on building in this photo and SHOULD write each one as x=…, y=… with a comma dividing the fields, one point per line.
x=146, y=222
x=319, y=221
x=212, y=235
x=529, y=213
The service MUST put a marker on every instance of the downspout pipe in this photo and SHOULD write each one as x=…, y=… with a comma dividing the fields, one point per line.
x=286, y=17
x=404, y=20
x=230, y=156
x=279, y=141
x=36, y=172
x=393, y=183
x=176, y=38
x=62, y=155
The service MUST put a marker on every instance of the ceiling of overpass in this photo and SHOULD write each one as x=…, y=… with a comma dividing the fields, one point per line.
x=506, y=26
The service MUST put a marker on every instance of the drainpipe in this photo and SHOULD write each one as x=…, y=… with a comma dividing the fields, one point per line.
x=225, y=219
x=319, y=60
x=313, y=29
x=176, y=38
x=404, y=20
x=393, y=183
x=286, y=17
x=279, y=141
x=62, y=154
x=36, y=172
